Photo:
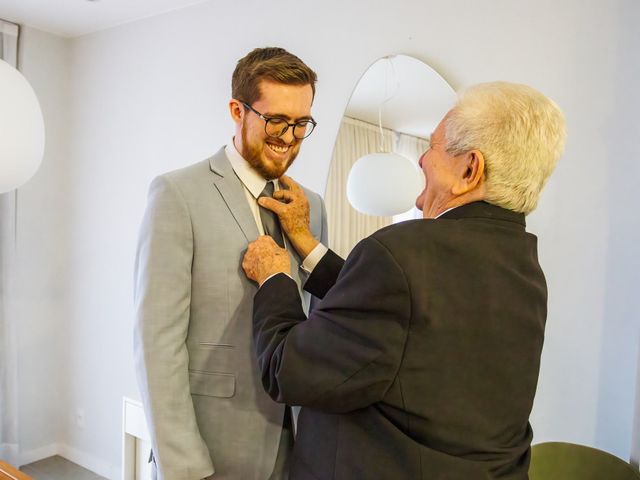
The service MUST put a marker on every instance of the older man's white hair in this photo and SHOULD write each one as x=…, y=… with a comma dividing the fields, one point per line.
x=519, y=131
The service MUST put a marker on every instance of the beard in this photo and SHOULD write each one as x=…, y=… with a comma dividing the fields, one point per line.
x=253, y=153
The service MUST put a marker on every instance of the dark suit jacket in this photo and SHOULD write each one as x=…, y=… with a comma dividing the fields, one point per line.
x=421, y=362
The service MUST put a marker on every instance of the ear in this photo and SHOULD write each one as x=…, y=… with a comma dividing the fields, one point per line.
x=471, y=172
x=236, y=110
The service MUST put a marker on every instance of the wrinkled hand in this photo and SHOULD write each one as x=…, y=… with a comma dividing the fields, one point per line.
x=292, y=208
x=264, y=258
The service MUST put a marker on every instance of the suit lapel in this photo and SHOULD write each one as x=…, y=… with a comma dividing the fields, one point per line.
x=232, y=191
x=295, y=262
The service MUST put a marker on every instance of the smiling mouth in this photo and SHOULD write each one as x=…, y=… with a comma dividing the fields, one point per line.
x=279, y=148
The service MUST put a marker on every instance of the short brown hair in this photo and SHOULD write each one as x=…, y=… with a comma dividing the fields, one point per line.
x=270, y=63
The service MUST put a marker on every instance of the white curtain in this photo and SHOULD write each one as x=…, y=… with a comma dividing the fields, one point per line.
x=9, y=34
x=356, y=139
x=412, y=148
x=346, y=225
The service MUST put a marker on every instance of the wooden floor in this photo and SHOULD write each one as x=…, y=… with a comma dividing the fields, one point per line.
x=58, y=468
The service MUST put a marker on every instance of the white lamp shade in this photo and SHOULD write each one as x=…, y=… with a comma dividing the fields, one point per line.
x=384, y=184
x=21, y=129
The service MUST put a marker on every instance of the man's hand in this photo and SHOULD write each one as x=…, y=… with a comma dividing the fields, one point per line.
x=292, y=208
x=264, y=258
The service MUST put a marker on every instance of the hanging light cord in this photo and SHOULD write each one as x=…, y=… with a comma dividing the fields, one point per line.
x=381, y=147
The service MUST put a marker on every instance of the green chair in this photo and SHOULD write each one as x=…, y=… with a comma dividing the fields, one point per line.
x=568, y=461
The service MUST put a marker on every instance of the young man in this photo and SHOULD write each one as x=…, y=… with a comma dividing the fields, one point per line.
x=204, y=402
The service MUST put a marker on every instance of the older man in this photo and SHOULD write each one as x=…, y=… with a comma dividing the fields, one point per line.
x=422, y=359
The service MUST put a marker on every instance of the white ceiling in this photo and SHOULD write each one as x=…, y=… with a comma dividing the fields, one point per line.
x=72, y=18
x=412, y=95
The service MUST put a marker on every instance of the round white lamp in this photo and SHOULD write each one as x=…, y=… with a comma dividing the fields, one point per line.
x=384, y=184
x=21, y=129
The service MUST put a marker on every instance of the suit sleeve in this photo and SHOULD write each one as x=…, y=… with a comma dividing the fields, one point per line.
x=347, y=354
x=316, y=203
x=162, y=301
x=317, y=222
x=325, y=275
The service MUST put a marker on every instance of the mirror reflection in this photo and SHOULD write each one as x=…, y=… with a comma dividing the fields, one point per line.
x=395, y=106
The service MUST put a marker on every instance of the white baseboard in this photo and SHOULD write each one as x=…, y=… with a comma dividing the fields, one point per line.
x=90, y=462
x=9, y=453
x=85, y=460
x=31, y=456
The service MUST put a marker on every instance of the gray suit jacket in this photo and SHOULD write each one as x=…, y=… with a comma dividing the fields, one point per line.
x=195, y=361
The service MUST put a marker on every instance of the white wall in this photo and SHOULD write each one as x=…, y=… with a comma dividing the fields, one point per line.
x=620, y=134
x=151, y=96
x=42, y=271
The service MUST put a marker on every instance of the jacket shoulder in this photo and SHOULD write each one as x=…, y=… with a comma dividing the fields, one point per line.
x=390, y=233
x=196, y=170
x=411, y=235
x=310, y=193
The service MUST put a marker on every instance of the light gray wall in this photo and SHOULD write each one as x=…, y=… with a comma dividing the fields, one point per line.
x=620, y=133
x=151, y=96
x=43, y=276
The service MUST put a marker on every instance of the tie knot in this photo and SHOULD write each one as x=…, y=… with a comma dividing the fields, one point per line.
x=267, y=191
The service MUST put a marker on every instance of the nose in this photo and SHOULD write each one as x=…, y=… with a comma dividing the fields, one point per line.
x=420, y=160
x=288, y=137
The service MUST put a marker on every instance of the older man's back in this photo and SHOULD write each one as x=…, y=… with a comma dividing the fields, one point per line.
x=448, y=371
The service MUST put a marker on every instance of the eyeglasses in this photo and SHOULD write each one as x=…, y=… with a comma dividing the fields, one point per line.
x=276, y=126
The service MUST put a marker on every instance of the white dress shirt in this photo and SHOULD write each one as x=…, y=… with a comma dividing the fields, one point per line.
x=252, y=181
x=254, y=184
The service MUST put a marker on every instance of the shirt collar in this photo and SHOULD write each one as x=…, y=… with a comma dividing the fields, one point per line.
x=447, y=210
x=252, y=180
x=483, y=209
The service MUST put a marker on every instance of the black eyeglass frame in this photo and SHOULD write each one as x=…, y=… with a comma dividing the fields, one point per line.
x=292, y=125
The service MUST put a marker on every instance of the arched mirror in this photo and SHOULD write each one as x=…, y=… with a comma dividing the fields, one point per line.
x=394, y=108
